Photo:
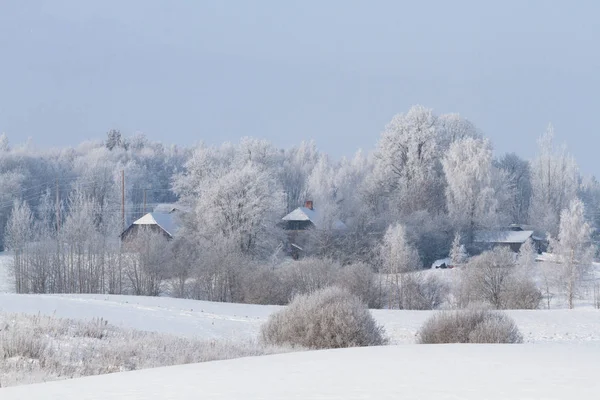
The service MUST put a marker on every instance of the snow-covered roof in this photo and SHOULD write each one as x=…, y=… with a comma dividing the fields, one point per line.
x=166, y=221
x=301, y=214
x=502, y=236
x=306, y=214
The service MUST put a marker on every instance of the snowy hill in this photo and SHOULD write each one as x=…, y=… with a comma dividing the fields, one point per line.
x=242, y=321
x=548, y=371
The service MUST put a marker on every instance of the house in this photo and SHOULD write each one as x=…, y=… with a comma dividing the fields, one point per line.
x=164, y=220
x=512, y=239
x=303, y=218
x=540, y=239
x=300, y=222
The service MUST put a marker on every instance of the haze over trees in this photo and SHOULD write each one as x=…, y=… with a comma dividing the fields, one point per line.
x=430, y=184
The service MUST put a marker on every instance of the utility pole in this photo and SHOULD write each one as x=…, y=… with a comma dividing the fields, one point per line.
x=57, y=207
x=123, y=200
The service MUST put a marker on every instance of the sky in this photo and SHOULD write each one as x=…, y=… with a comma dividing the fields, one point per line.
x=334, y=71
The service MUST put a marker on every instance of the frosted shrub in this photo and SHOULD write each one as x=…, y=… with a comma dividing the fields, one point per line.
x=40, y=348
x=359, y=279
x=420, y=293
x=97, y=328
x=493, y=279
x=496, y=328
x=309, y=275
x=18, y=343
x=264, y=286
x=469, y=326
x=522, y=294
x=328, y=318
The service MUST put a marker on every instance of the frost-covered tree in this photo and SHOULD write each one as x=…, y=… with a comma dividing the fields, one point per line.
x=398, y=257
x=589, y=193
x=471, y=200
x=407, y=161
x=554, y=181
x=115, y=140
x=492, y=278
x=297, y=166
x=527, y=255
x=234, y=195
x=453, y=128
x=397, y=254
x=19, y=234
x=4, y=143
x=458, y=253
x=573, y=249
x=518, y=174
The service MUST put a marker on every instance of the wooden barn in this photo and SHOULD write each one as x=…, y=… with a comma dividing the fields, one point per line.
x=164, y=220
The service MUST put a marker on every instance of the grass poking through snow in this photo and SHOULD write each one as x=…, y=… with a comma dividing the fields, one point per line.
x=44, y=348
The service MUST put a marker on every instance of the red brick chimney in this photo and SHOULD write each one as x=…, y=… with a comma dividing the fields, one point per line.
x=308, y=204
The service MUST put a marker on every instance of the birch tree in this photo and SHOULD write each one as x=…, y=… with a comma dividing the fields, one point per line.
x=19, y=233
x=554, y=183
x=573, y=249
x=398, y=257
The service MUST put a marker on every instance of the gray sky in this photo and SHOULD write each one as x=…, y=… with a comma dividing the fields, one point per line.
x=334, y=71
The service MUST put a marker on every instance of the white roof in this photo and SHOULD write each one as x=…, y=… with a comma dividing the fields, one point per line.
x=165, y=221
x=301, y=214
x=306, y=214
x=502, y=236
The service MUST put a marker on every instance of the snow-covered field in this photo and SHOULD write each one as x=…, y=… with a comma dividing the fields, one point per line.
x=437, y=372
x=242, y=321
x=559, y=360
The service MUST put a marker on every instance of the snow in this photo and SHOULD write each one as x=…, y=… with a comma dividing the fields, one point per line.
x=543, y=371
x=166, y=221
x=301, y=214
x=191, y=318
x=306, y=214
x=559, y=359
x=154, y=314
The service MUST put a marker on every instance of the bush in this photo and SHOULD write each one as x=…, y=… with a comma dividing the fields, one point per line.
x=328, y=318
x=522, y=294
x=493, y=279
x=308, y=275
x=469, y=326
x=264, y=286
x=359, y=279
x=421, y=293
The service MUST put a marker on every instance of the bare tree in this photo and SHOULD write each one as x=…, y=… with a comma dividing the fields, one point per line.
x=492, y=278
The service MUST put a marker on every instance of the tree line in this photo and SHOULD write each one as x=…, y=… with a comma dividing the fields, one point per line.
x=430, y=180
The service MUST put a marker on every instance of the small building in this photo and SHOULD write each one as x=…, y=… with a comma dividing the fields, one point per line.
x=303, y=218
x=512, y=239
x=298, y=225
x=539, y=238
x=164, y=219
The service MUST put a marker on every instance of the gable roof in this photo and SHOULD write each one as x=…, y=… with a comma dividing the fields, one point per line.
x=166, y=222
x=504, y=236
x=301, y=214
x=306, y=214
